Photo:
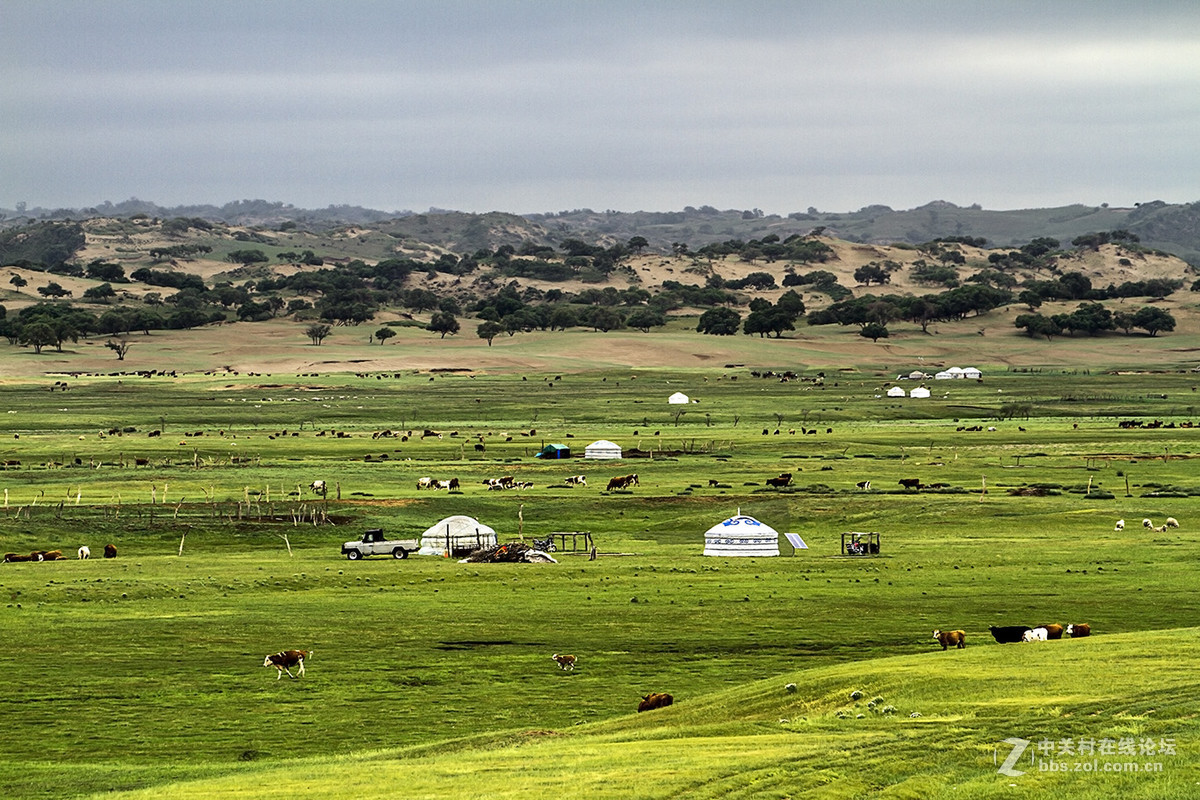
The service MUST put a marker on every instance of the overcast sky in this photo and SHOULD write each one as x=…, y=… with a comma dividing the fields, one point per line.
x=547, y=106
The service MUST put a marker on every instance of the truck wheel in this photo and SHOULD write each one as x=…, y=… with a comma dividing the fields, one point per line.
x=399, y=552
x=354, y=555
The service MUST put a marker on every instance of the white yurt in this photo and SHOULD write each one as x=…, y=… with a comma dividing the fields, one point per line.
x=949, y=374
x=972, y=372
x=602, y=449
x=458, y=535
x=917, y=375
x=741, y=536
x=679, y=398
x=895, y=391
x=920, y=391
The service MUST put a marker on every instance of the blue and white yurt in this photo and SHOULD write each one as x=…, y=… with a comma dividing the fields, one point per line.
x=741, y=536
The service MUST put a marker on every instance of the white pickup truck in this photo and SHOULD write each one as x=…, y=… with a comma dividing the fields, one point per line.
x=374, y=543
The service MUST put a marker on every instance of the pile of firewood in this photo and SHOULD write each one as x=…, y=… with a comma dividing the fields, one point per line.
x=510, y=553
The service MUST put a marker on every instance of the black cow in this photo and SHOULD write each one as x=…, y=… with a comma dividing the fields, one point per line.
x=1007, y=634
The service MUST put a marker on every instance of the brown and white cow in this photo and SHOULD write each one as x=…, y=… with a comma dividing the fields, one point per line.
x=284, y=660
x=623, y=481
x=564, y=662
x=947, y=638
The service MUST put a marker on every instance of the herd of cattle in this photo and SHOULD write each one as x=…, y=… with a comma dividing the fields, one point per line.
x=1007, y=634
x=110, y=551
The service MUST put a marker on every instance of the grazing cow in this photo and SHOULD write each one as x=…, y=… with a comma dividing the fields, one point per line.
x=1007, y=634
x=1120, y=526
x=318, y=487
x=425, y=483
x=576, y=480
x=784, y=479
x=448, y=485
x=1079, y=629
x=655, y=700
x=84, y=552
x=1052, y=631
x=564, y=662
x=864, y=485
x=947, y=638
x=910, y=483
x=713, y=482
x=1035, y=635
x=284, y=660
x=623, y=481
x=110, y=551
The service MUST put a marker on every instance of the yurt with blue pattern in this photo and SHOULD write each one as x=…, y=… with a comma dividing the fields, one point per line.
x=741, y=536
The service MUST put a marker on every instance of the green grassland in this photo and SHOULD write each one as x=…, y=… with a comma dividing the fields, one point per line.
x=141, y=677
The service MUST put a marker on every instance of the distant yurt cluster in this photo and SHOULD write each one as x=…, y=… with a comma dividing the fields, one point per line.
x=897, y=391
x=958, y=372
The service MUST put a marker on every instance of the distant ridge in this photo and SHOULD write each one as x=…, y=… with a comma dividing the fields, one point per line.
x=1172, y=228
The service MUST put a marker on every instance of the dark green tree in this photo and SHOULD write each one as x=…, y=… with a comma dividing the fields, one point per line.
x=719, y=321
x=874, y=331
x=489, y=330
x=1152, y=320
x=643, y=319
x=443, y=323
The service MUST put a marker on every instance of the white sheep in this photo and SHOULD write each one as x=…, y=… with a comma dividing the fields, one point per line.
x=1147, y=523
x=1171, y=523
x=1120, y=525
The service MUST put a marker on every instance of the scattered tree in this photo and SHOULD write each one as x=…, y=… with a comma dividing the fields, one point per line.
x=489, y=330
x=874, y=331
x=120, y=347
x=383, y=334
x=317, y=332
x=443, y=323
x=719, y=321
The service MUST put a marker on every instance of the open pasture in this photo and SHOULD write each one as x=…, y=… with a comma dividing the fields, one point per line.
x=145, y=670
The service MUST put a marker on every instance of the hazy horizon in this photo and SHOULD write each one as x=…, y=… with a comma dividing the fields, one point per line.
x=535, y=108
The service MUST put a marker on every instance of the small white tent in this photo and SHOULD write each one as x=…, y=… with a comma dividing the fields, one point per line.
x=972, y=373
x=460, y=535
x=920, y=391
x=895, y=391
x=741, y=536
x=679, y=398
x=602, y=449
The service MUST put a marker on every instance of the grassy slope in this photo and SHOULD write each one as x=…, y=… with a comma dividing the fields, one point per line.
x=762, y=741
